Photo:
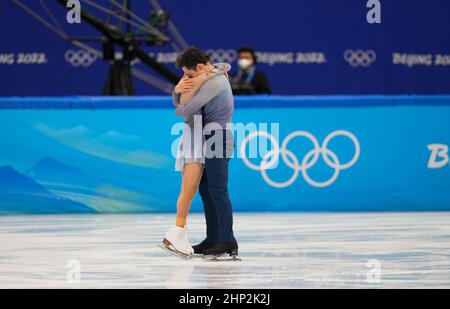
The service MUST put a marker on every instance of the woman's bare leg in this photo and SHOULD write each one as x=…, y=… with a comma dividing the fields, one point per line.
x=192, y=174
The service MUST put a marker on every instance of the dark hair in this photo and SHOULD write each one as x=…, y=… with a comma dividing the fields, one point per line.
x=248, y=49
x=190, y=57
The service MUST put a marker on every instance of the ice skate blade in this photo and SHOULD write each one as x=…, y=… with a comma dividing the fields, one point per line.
x=221, y=258
x=174, y=252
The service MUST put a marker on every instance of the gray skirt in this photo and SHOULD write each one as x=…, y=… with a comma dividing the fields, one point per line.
x=190, y=149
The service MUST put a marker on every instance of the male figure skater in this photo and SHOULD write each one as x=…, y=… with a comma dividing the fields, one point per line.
x=214, y=101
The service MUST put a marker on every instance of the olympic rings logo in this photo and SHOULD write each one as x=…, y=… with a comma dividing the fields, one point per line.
x=360, y=58
x=221, y=55
x=81, y=57
x=270, y=159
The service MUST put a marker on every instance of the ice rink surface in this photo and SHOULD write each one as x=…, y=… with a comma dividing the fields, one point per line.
x=279, y=250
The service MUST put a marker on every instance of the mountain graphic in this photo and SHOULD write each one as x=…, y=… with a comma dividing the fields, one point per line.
x=98, y=193
x=20, y=194
x=61, y=177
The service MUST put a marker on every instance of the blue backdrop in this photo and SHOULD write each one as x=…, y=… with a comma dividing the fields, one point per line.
x=115, y=154
x=306, y=47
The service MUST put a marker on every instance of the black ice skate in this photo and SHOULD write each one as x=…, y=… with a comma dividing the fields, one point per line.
x=219, y=251
x=198, y=249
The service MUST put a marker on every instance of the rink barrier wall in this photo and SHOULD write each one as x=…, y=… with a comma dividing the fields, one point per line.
x=342, y=153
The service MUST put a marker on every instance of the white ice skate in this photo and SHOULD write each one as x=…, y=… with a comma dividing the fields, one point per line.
x=176, y=242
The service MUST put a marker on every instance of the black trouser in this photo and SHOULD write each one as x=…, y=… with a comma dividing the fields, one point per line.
x=214, y=192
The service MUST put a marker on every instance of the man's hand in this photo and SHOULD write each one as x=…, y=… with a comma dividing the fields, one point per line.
x=185, y=85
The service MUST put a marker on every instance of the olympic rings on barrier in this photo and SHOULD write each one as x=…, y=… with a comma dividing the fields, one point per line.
x=308, y=161
x=80, y=57
x=360, y=58
x=221, y=55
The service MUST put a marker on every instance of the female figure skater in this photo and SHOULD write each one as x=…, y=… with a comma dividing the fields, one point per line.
x=190, y=161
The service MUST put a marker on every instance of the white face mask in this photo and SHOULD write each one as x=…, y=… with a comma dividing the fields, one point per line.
x=245, y=63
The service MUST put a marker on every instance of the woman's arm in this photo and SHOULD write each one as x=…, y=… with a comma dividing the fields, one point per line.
x=221, y=68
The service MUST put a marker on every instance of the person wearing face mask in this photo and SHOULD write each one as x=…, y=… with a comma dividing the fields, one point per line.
x=247, y=80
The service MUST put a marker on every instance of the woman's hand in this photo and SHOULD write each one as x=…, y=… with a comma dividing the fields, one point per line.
x=186, y=84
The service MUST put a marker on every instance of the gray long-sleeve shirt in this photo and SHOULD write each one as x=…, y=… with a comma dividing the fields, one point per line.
x=216, y=99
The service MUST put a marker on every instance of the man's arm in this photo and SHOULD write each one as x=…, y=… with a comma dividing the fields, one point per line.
x=210, y=89
x=175, y=98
